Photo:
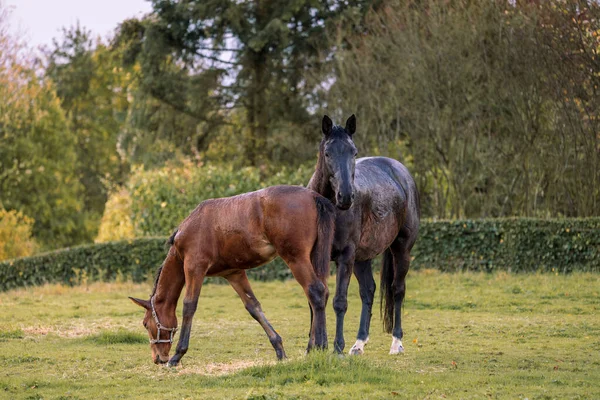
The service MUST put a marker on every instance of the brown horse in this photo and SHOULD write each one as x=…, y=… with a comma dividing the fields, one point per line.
x=378, y=212
x=224, y=237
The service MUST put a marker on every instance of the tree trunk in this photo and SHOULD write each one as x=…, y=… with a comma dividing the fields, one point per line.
x=258, y=114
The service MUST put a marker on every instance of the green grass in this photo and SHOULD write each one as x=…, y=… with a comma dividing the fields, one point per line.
x=467, y=336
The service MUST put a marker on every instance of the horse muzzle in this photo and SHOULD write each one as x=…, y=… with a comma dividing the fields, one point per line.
x=158, y=360
x=344, y=202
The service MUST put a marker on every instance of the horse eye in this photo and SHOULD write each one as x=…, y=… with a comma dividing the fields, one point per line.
x=355, y=153
x=326, y=154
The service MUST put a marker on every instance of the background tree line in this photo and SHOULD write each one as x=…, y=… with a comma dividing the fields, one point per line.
x=492, y=105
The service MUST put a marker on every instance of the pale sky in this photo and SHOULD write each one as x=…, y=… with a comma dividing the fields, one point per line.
x=39, y=21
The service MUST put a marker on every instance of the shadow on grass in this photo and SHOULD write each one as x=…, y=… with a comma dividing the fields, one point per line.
x=11, y=334
x=118, y=337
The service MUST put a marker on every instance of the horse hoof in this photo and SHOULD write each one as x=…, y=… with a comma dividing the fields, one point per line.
x=172, y=364
x=397, y=347
x=358, y=348
x=356, y=352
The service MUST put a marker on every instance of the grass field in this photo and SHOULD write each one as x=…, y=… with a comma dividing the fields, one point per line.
x=466, y=336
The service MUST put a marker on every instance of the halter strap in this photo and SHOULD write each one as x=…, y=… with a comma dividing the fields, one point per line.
x=160, y=326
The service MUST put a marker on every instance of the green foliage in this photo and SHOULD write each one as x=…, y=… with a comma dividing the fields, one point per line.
x=116, y=222
x=15, y=235
x=161, y=199
x=92, y=87
x=519, y=245
x=211, y=64
x=494, y=103
x=37, y=155
x=136, y=259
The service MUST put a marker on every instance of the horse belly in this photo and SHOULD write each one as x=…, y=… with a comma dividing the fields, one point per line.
x=242, y=252
x=376, y=236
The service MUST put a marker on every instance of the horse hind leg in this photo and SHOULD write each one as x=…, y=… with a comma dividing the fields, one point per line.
x=401, y=259
x=317, y=293
x=364, y=274
x=239, y=282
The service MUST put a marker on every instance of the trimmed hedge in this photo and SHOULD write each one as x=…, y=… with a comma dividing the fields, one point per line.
x=136, y=259
x=517, y=245
x=513, y=244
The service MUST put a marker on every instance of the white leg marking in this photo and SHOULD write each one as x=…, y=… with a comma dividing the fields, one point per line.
x=397, y=347
x=359, y=347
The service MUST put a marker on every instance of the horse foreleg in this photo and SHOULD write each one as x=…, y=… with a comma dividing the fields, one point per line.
x=193, y=280
x=401, y=264
x=345, y=264
x=239, y=282
x=364, y=274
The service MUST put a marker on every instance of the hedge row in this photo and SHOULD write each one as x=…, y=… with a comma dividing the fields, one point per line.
x=136, y=259
x=518, y=245
x=513, y=244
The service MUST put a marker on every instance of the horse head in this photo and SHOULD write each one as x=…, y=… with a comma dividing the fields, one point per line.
x=161, y=336
x=338, y=152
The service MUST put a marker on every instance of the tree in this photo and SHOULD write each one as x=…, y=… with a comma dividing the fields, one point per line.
x=37, y=155
x=492, y=104
x=92, y=88
x=208, y=59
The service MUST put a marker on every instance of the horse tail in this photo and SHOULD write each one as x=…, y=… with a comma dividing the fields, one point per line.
x=386, y=290
x=171, y=240
x=321, y=251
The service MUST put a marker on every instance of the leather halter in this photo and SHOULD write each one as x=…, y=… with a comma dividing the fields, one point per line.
x=160, y=326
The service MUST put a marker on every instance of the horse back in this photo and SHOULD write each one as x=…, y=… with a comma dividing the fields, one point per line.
x=388, y=199
x=249, y=230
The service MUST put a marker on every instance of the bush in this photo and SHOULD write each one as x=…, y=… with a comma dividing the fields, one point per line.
x=116, y=222
x=515, y=244
x=162, y=198
x=136, y=259
x=15, y=235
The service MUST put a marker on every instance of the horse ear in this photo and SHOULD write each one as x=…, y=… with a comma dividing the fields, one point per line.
x=351, y=125
x=141, y=303
x=327, y=125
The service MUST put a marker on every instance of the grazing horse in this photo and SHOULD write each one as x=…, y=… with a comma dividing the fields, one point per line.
x=224, y=237
x=377, y=212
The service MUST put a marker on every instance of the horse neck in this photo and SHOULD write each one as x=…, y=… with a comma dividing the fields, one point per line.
x=170, y=281
x=320, y=182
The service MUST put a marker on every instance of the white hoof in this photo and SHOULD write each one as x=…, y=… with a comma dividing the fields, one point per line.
x=358, y=348
x=397, y=347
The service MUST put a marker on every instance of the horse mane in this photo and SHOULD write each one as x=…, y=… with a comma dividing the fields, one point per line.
x=156, y=279
x=170, y=242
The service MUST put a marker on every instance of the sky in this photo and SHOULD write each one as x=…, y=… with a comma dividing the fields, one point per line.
x=39, y=21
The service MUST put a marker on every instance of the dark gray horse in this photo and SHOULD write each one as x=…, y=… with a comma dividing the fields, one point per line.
x=377, y=212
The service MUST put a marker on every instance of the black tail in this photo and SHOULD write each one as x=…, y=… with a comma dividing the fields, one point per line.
x=386, y=290
x=321, y=251
x=171, y=240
